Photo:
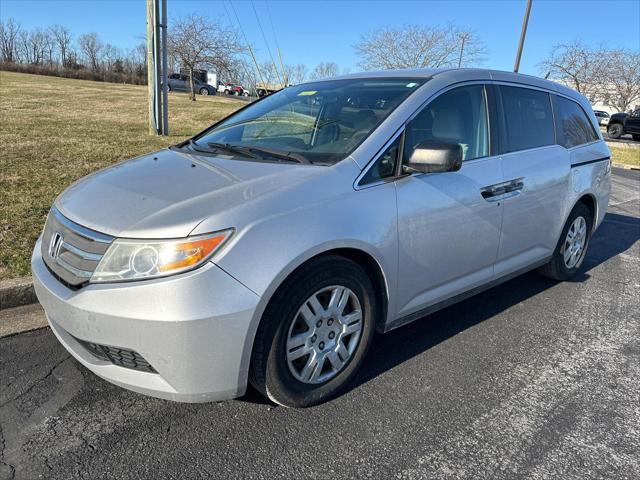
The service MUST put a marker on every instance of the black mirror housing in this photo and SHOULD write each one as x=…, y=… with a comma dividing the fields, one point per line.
x=433, y=156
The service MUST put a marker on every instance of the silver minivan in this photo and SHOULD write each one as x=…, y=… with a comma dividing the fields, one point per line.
x=271, y=246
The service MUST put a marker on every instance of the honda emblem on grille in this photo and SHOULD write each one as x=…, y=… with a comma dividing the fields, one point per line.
x=55, y=245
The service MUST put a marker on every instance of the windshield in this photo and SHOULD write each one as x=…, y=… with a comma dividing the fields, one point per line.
x=322, y=122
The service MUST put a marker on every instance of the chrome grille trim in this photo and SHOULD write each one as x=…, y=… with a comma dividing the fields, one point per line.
x=94, y=257
x=76, y=271
x=75, y=251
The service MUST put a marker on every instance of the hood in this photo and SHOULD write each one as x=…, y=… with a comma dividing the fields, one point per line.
x=168, y=193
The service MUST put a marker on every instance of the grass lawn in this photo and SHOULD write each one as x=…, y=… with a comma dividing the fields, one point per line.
x=55, y=130
x=627, y=156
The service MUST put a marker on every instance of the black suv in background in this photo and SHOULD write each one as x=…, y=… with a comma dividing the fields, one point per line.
x=180, y=83
x=621, y=123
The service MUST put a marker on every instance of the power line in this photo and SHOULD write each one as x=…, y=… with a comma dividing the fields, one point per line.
x=246, y=41
x=275, y=38
x=264, y=37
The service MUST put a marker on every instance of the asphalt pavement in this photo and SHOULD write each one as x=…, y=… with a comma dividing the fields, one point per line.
x=532, y=379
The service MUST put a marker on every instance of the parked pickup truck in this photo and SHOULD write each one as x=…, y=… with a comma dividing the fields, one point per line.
x=621, y=123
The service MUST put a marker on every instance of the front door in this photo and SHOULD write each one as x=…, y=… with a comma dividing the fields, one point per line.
x=448, y=223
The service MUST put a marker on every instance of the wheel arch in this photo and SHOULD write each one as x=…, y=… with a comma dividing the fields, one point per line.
x=589, y=200
x=356, y=253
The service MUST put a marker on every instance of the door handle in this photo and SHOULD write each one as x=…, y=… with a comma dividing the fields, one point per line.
x=515, y=185
x=490, y=192
x=495, y=192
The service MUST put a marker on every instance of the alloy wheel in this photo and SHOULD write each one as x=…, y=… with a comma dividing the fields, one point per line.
x=575, y=243
x=324, y=334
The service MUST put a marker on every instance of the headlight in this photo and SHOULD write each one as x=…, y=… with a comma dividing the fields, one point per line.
x=143, y=259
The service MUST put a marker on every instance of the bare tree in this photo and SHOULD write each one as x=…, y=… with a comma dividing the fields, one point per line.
x=111, y=54
x=35, y=46
x=577, y=66
x=415, y=46
x=62, y=38
x=197, y=42
x=623, y=79
x=325, y=70
x=269, y=73
x=9, y=33
x=91, y=46
x=49, y=46
x=296, y=73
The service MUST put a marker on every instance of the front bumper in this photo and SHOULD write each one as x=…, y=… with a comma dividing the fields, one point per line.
x=194, y=329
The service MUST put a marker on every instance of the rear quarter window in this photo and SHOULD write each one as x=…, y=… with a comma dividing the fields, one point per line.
x=573, y=127
x=528, y=119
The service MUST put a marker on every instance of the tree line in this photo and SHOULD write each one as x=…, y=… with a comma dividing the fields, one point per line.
x=55, y=51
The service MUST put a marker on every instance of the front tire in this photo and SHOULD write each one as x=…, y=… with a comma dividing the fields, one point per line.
x=636, y=137
x=314, y=333
x=204, y=91
x=572, y=246
x=615, y=130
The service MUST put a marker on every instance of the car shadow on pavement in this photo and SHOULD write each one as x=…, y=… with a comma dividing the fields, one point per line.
x=616, y=235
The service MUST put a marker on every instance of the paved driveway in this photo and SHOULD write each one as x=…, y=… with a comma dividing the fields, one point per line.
x=532, y=379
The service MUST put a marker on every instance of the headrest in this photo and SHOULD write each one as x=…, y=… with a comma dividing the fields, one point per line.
x=448, y=125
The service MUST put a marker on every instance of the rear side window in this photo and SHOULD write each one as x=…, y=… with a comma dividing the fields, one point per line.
x=573, y=127
x=527, y=117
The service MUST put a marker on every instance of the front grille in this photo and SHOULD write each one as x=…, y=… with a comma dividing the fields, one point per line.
x=118, y=356
x=71, y=251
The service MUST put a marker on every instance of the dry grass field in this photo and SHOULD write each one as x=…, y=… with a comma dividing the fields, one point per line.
x=55, y=130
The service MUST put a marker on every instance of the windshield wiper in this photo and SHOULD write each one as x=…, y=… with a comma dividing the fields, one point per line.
x=251, y=152
x=233, y=149
x=289, y=156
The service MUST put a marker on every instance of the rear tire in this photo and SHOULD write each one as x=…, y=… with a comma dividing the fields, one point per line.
x=306, y=352
x=636, y=137
x=572, y=246
x=615, y=130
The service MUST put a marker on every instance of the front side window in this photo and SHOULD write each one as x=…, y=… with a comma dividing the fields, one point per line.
x=457, y=116
x=385, y=165
x=573, y=128
x=527, y=117
x=322, y=121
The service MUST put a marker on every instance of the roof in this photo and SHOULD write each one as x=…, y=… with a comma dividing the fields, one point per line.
x=466, y=74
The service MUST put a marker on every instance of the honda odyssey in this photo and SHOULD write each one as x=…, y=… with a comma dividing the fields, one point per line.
x=271, y=246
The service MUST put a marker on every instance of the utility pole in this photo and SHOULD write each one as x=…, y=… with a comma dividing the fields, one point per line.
x=157, y=67
x=150, y=68
x=522, y=35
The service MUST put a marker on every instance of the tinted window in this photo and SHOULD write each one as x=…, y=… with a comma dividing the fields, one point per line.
x=527, y=117
x=385, y=165
x=572, y=124
x=457, y=116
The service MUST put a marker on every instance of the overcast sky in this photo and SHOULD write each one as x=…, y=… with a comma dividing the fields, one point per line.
x=311, y=32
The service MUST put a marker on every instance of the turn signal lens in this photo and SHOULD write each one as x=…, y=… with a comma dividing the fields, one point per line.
x=143, y=259
x=184, y=255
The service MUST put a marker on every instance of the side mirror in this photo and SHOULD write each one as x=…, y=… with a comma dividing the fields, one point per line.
x=432, y=156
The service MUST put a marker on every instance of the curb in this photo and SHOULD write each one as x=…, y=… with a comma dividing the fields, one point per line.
x=624, y=166
x=622, y=144
x=17, y=292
